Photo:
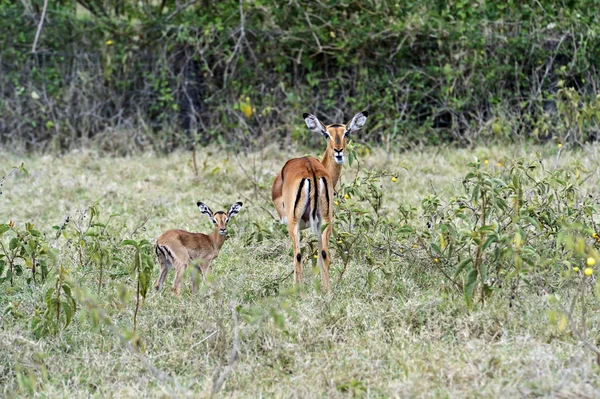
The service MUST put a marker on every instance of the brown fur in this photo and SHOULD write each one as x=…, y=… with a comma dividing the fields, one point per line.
x=334, y=169
x=320, y=178
x=178, y=248
x=304, y=208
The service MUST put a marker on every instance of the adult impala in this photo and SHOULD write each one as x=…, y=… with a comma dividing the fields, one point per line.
x=303, y=191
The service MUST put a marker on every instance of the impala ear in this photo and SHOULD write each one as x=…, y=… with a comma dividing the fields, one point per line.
x=314, y=124
x=357, y=122
x=205, y=209
x=235, y=208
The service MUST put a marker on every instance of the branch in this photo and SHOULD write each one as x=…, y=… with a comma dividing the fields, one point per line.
x=233, y=356
x=40, y=25
x=578, y=334
x=181, y=8
x=158, y=374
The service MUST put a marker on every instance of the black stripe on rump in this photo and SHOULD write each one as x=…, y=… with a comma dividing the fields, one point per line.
x=300, y=193
x=316, y=205
x=326, y=193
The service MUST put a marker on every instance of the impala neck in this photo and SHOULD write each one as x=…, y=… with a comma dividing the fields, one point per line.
x=333, y=168
x=217, y=238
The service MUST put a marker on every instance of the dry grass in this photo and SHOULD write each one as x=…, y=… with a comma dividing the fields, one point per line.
x=410, y=337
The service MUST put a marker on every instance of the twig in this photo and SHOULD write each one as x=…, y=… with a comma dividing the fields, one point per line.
x=40, y=25
x=159, y=374
x=233, y=356
x=578, y=334
x=179, y=9
x=204, y=339
x=6, y=177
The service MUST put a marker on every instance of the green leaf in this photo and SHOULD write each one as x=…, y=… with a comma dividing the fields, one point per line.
x=131, y=243
x=469, y=286
x=4, y=228
x=436, y=248
x=405, y=229
x=68, y=312
x=14, y=242
x=491, y=239
x=463, y=263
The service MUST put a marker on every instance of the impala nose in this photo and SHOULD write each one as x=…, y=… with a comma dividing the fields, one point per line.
x=222, y=232
x=338, y=156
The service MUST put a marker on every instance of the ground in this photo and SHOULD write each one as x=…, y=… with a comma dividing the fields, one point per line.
x=408, y=336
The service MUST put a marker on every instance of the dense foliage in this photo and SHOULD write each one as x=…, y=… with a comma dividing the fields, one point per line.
x=127, y=73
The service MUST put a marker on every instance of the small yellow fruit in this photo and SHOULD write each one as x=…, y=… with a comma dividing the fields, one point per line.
x=346, y=196
x=496, y=128
x=559, y=145
x=436, y=260
x=486, y=162
x=414, y=245
x=246, y=109
x=394, y=179
x=337, y=203
x=595, y=235
x=591, y=261
x=315, y=256
x=499, y=164
x=109, y=42
x=588, y=271
x=339, y=242
x=575, y=269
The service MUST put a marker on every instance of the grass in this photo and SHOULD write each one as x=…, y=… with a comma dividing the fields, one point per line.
x=406, y=336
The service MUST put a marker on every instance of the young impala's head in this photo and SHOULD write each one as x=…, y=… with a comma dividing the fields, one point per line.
x=220, y=219
x=336, y=134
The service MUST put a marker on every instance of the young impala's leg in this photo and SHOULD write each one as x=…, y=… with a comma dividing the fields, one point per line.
x=202, y=268
x=179, y=270
x=180, y=266
x=165, y=266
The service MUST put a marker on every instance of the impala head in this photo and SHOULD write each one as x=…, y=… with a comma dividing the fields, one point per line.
x=220, y=219
x=337, y=133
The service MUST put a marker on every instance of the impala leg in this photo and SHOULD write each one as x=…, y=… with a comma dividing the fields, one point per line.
x=165, y=265
x=324, y=254
x=294, y=231
x=195, y=279
x=202, y=268
x=164, y=270
x=179, y=270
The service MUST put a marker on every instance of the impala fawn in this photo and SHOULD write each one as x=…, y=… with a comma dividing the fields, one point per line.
x=178, y=248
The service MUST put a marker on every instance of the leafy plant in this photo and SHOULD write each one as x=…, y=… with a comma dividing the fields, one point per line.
x=60, y=307
x=25, y=249
x=141, y=270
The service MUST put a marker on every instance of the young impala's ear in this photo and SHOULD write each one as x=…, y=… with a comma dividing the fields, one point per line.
x=205, y=209
x=235, y=208
x=357, y=122
x=314, y=124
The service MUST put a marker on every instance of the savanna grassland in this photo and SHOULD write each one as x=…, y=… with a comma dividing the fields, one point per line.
x=409, y=314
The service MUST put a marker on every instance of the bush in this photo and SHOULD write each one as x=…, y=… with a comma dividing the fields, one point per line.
x=127, y=74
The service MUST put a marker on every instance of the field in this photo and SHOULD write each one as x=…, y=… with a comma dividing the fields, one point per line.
x=395, y=325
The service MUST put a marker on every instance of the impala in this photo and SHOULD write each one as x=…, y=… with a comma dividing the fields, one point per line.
x=178, y=248
x=302, y=192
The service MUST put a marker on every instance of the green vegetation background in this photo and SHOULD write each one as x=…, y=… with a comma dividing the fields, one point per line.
x=162, y=73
